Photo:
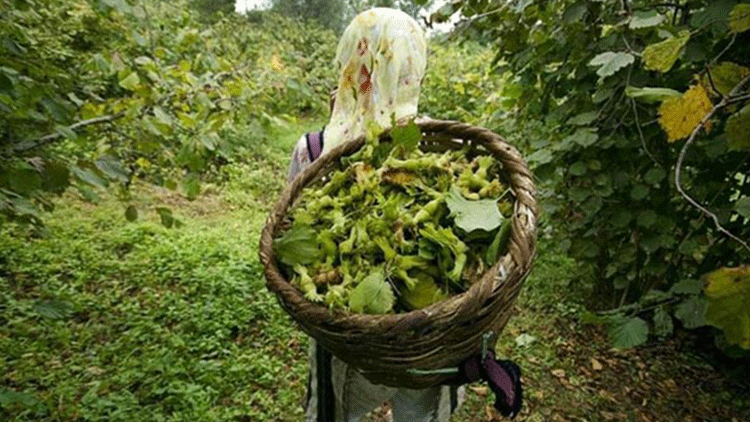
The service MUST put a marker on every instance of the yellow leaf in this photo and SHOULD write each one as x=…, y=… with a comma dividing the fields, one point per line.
x=130, y=82
x=728, y=293
x=143, y=163
x=662, y=55
x=725, y=76
x=424, y=293
x=559, y=373
x=184, y=66
x=234, y=88
x=738, y=128
x=727, y=282
x=276, y=63
x=680, y=115
x=739, y=18
x=479, y=389
x=399, y=177
x=362, y=172
x=225, y=104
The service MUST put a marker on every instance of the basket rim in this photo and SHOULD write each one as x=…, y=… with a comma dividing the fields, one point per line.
x=314, y=170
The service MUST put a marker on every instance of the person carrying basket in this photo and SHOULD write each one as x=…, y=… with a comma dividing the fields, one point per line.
x=381, y=59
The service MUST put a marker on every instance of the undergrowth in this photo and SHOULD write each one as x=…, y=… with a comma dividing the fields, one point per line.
x=105, y=319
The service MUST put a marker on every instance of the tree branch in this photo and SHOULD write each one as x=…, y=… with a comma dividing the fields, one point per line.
x=44, y=140
x=738, y=99
x=640, y=134
x=464, y=24
x=678, y=167
x=726, y=48
x=626, y=9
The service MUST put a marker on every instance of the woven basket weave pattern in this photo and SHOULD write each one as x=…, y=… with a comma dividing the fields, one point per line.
x=385, y=347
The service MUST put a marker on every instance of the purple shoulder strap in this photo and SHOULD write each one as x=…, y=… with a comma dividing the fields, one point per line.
x=314, y=144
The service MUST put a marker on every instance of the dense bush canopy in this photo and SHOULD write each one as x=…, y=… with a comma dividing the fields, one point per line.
x=627, y=97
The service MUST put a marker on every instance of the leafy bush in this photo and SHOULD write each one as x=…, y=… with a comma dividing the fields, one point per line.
x=460, y=84
x=621, y=83
x=98, y=92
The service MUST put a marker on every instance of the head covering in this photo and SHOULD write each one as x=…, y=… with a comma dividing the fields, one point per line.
x=381, y=59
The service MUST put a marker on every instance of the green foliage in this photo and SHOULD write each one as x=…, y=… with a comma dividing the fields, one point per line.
x=650, y=95
x=739, y=18
x=212, y=9
x=628, y=332
x=460, y=85
x=412, y=8
x=655, y=313
x=692, y=312
x=661, y=56
x=331, y=14
x=737, y=128
x=104, y=320
x=95, y=93
x=336, y=14
x=596, y=78
x=609, y=63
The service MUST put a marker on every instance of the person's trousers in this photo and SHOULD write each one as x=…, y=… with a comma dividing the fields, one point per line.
x=355, y=396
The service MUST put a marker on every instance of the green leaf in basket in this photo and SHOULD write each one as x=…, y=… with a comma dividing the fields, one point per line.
x=407, y=136
x=298, y=245
x=498, y=245
x=373, y=295
x=473, y=215
x=424, y=293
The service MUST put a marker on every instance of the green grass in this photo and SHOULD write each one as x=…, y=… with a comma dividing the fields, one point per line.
x=108, y=320
x=155, y=323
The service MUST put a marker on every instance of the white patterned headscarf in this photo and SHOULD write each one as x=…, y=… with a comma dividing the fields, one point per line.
x=381, y=59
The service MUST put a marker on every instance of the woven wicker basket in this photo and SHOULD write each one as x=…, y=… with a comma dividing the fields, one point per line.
x=414, y=349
